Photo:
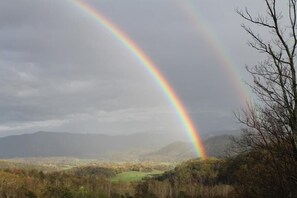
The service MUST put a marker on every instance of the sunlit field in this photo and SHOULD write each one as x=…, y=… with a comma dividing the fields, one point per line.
x=134, y=176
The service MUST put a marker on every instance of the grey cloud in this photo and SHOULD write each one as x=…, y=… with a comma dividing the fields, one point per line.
x=61, y=71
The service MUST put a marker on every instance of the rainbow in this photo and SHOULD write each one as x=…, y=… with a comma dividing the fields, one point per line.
x=203, y=29
x=152, y=69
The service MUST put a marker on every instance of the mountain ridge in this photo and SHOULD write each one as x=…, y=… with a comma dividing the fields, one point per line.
x=141, y=146
x=47, y=144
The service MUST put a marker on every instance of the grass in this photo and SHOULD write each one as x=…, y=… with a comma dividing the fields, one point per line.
x=133, y=176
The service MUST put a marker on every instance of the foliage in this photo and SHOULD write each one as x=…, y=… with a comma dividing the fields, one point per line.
x=94, y=171
x=194, y=178
x=19, y=183
x=246, y=175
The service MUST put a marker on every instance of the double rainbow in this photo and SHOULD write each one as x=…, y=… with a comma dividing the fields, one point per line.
x=188, y=7
x=152, y=69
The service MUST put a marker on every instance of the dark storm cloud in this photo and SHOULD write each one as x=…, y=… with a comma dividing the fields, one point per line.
x=61, y=71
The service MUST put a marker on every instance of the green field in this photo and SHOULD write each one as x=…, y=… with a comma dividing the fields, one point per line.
x=133, y=176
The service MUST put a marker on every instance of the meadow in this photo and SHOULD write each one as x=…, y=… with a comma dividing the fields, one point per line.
x=135, y=176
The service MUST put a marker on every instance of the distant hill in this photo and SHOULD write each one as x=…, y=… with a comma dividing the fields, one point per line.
x=49, y=144
x=217, y=146
x=145, y=146
x=211, y=134
x=179, y=151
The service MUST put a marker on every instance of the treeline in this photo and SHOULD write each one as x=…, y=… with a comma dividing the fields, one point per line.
x=139, y=166
x=82, y=182
x=79, y=182
x=194, y=178
x=246, y=175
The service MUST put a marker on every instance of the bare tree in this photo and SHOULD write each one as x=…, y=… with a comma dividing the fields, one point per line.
x=272, y=120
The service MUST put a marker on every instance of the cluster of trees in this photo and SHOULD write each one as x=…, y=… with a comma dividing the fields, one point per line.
x=139, y=166
x=194, y=178
x=79, y=182
x=83, y=182
x=250, y=174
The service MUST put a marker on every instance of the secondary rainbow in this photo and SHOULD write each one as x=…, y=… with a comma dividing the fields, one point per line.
x=188, y=7
x=152, y=69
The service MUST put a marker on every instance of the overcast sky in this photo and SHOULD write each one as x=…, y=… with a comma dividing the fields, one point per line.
x=61, y=71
